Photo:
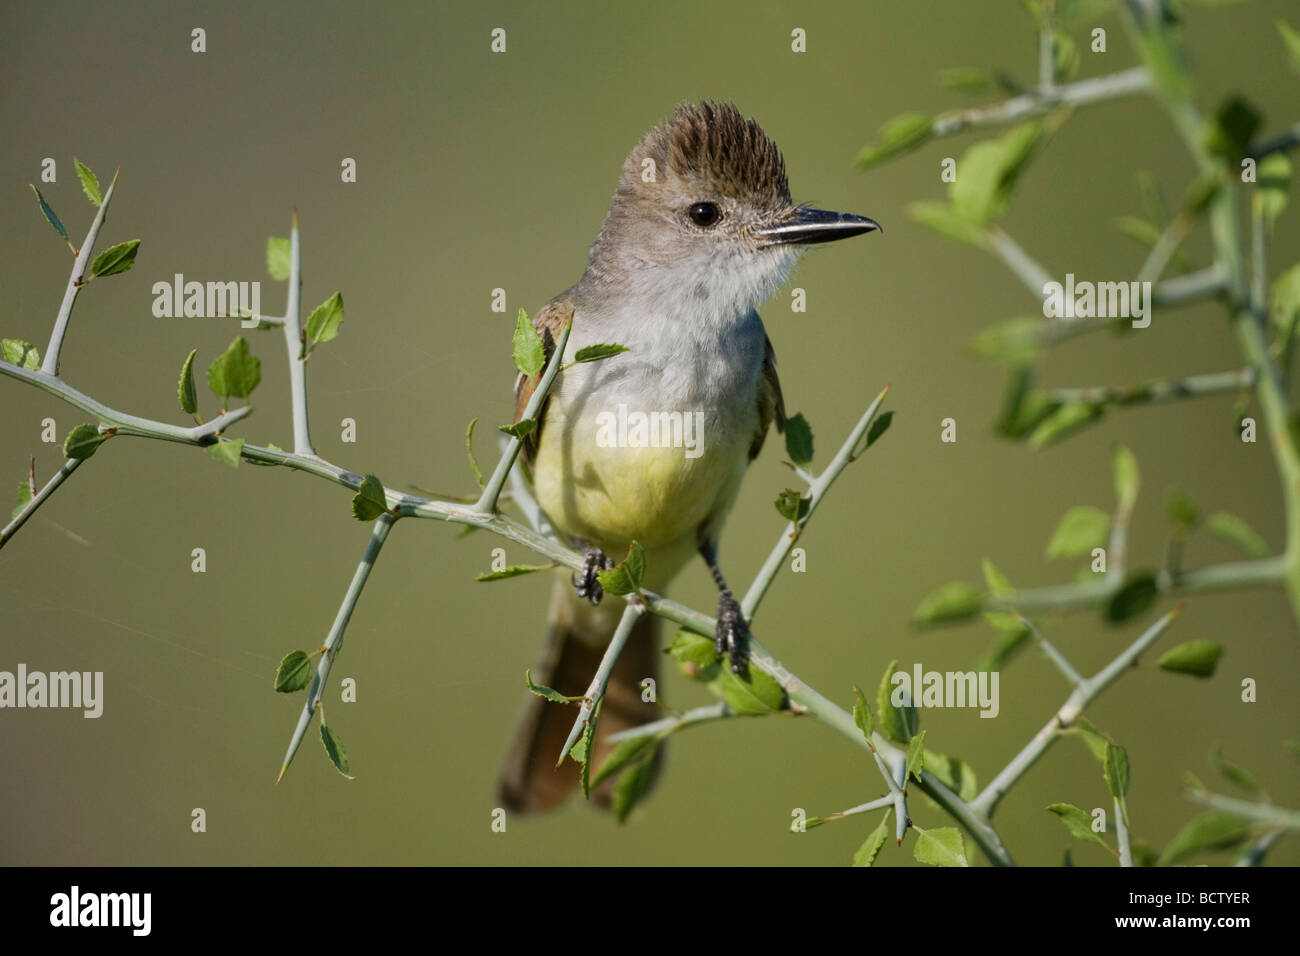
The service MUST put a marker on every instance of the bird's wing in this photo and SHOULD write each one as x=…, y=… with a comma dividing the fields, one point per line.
x=771, y=405
x=549, y=322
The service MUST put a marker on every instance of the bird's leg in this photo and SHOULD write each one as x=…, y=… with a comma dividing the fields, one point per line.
x=586, y=583
x=732, y=629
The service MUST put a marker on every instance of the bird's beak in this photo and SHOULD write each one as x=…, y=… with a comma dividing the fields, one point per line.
x=805, y=226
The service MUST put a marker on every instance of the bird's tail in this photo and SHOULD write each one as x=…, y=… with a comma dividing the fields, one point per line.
x=576, y=638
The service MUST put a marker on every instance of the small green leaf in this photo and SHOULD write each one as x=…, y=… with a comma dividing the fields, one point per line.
x=634, y=785
x=942, y=846
x=50, y=217
x=878, y=428
x=1197, y=658
x=1065, y=421
x=469, y=450
x=115, y=259
x=278, y=257
x=916, y=757
x=895, y=723
x=520, y=429
x=1023, y=408
x=186, y=393
x=1235, y=531
x=627, y=752
x=1228, y=135
x=939, y=217
x=1230, y=771
x=1181, y=511
x=1081, y=529
x=541, y=690
x=626, y=577
x=1272, y=183
x=899, y=135
x=227, y=451
x=870, y=849
x=1115, y=768
x=83, y=441
x=792, y=505
x=955, y=774
x=694, y=651
x=529, y=354
x=588, y=750
x=1078, y=823
x=1138, y=593
x=862, y=713
x=1015, y=341
x=236, y=372
x=1012, y=638
x=514, y=571
x=594, y=353
x=753, y=695
x=294, y=672
x=954, y=601
x=987, y=174
x=21, y=499
x=1291, y=39
x=996, y=582
x=1127, y=478
x=89, y=183
x=324, y=321
x=965, y=80
x=1096, y=740
x=20, y=353
x=335, y=751
x=370, y=501
x=1214, y=830
x=1284, y=295
x=799, y=441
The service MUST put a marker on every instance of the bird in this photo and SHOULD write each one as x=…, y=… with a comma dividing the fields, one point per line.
x=700, y=231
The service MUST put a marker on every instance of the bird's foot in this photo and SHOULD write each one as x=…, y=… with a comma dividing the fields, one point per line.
x=732, y=633
x=586, y=582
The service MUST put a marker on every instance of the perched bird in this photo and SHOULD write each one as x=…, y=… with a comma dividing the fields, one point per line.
x=701, y=230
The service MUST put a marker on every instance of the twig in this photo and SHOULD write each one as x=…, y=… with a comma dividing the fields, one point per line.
x=334, y=642
x=1055, y=656
x=38, y=499
x=1266, y=813
x=670, y=725
x=1022, y=264
x=1255, y=853
x=596, y=689
x=295, y=343
x=1121, y=835
x=1283, y=141
x=1081, y=93
x=1168, y=390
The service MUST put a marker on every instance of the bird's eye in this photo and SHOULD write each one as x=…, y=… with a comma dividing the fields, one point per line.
x=705, y=214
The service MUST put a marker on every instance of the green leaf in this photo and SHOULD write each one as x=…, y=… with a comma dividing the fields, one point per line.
x=83, y=441
x=916, y=757
x=1273, y=180
x=514, y=571
x=1096, y=740
x=469, y=450
x=870, y=849
x=954, y=601
x=1138, y=593
x=1015, y=341
x=1115, y=768
x=695, y=652
x=21, y=499
x=1065, y=421
x=115, y=259
x=1285, y=298
x=626, y=753
x=324, y=321
x=278, y=257
x=520, y=429
x=1228, y=135
x=1023, y=409
x=955, y=774
x=987, y=174
x=626, y=577
x=939, y=217
x=1214, y=830
x=902, y=134
x=294, y=672
x=634, y=785
x=89, y=184
x=1013, y=637
x=965, y=80
x=862, y=713
x=50, y=217
x=1065, y=56
x=227, y=451
x=370, y=501
x=541, y=690
x=895, y=723
x=1290, y=39
x=186, y=394
x=799, y=441
x=335, y=751
x=792, y=505
x=1181, y=511
x=20, y=353
x=1197, y=658
x=1235, y=531
x=1077, y=822
x=1081, y=529
x=753, y=695
x=1230, y=771
x=588, y=750
x=942, y=846
x=236, y=372
x=1127, y=478
x=594, y=353
x=878, y=428
x=997, y=584
x=529, y=354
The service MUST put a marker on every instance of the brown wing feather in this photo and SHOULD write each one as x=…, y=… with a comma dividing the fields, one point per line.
x=771, y=404
x=549, y=322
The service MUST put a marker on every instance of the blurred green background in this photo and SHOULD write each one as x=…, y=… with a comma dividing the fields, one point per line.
x=478, y=171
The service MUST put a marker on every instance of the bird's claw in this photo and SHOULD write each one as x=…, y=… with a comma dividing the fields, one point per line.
x=732, y=633
x=587, y=583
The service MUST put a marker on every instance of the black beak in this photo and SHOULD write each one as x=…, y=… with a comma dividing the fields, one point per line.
x=816, y=225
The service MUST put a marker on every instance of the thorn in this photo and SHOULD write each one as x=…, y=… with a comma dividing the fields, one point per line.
x=282, y=770
x=114, y=182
